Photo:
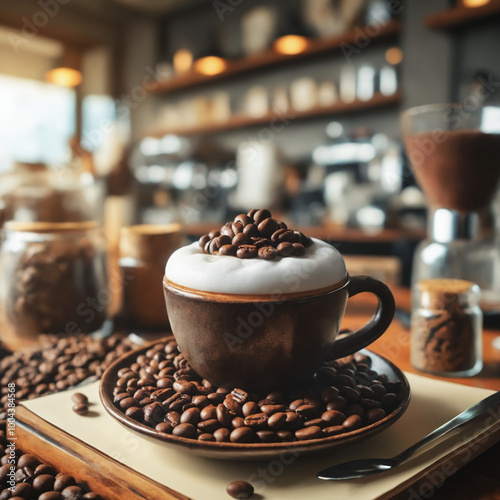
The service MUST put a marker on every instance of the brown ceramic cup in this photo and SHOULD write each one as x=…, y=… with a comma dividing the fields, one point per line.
x=264, y=342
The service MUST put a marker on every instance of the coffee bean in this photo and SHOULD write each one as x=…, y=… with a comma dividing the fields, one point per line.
x=222, y=435
x=375, y=414
x=239, y=395
x=389, y=399
x=24, y=475
x=45, y=469
x=267, y=227
x=313, y=432
x=222, y=240
x=237, y=227
x=190, y=416
x=206, y=437
x=353, y=422
x=243, y=219
x=267, y=253
x=223, y=415
x=173, y=418
x=277, y=421
x=298, y=250
x=242, y=490
x=250, y=408
x=285, y=249
x=228, y=250
x=261, y=242
x=72, y=493
x=261, y=215
x=256, y=421
x=51, y=495
x=63, y=481
x=334, y=430
x=251, y=230
x=204, y=240
x=251, y=213
x=43, y=483
x=125, y=404
x=209, y=412
x=333, y=417
x=153, y=414
x=227, y=230
x=28, y=460
x=209, y=425
x=337, y=404
x=242, y=435
x=80, y=398
x=308, y=411
x=164, y=427
x=315, y=421
x=81, y=409
x=185, y=430
x=285, y=436
x=246, y=252
x=184, y=387
x=213, y=234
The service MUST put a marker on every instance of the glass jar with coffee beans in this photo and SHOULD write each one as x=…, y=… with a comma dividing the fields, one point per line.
x=446, y=327
x=53, y=280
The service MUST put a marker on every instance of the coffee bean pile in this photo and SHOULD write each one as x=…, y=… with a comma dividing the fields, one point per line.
x=35, y=480
x=162, y=391
x=57, y=364
x=255, y=234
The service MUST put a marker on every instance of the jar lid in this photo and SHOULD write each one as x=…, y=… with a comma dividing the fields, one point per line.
x=49, y=227
x=150, y=242
x=440, y=293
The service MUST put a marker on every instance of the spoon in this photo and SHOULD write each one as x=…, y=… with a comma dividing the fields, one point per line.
x=366, y=466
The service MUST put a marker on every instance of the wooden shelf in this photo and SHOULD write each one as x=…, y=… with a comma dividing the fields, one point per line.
x=273, y=58
x=328, y=232
x=459, y=16
x=274, y=119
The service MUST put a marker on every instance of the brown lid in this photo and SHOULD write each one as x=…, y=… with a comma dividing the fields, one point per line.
x=49, y=227
x=150, y=242
x=440, y=293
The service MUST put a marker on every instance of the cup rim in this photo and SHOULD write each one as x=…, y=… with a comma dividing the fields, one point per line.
x=245, y=298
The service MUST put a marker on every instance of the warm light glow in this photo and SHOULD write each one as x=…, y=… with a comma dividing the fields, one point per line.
x=183, y=61
x=65, y=77
x=291, y=44
x=475, y=3
x=394, y=55
x=210, y=65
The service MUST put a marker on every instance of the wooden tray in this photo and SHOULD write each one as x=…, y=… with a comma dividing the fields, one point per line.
x=115, y=481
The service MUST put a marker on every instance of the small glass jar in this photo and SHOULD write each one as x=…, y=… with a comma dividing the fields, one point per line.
x=144, y=251
x=53, y=280
x=446, y=328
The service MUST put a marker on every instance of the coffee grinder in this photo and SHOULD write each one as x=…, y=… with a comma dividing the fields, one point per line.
x=454, y=150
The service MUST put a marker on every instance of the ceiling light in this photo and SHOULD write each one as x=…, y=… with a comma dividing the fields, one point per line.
x=291, y=44
x=394, y=56
x=183, y=61
x=475, y=3
x=210, y=65
x=66, y=72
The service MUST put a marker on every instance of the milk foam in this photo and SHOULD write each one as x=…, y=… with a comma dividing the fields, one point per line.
x=320, y=267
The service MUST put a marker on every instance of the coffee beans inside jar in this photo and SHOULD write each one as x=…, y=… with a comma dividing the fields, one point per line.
x=162, y=391
x=255, y=235
x=53, y=275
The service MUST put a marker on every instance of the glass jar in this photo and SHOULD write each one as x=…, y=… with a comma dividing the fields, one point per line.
x=461, y=245
x=144, y=251
x=53, y=280
x=446, y=327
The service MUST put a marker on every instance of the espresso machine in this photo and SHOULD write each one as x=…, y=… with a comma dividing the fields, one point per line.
x=454, y=150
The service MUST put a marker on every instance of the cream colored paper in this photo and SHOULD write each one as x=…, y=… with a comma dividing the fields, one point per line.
x=433, y=402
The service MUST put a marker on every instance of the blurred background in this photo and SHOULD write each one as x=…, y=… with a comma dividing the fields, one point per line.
x=162, y=111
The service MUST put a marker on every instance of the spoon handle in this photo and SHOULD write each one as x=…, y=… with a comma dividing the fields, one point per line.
x=456, y=422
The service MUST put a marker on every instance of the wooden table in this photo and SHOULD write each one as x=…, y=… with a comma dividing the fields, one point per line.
x=480, y=479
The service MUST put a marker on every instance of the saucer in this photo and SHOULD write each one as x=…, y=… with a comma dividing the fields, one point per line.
x=253, y=451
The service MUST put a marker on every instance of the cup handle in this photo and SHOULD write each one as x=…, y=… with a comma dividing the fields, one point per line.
x=377, y=325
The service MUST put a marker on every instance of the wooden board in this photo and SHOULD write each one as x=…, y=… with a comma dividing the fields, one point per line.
x=103, y=475
x=114, y=481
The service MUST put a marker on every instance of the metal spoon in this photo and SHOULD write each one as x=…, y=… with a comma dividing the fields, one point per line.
x=364, y=467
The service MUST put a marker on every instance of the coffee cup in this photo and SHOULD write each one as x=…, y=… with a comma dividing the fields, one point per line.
x=262, y=325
